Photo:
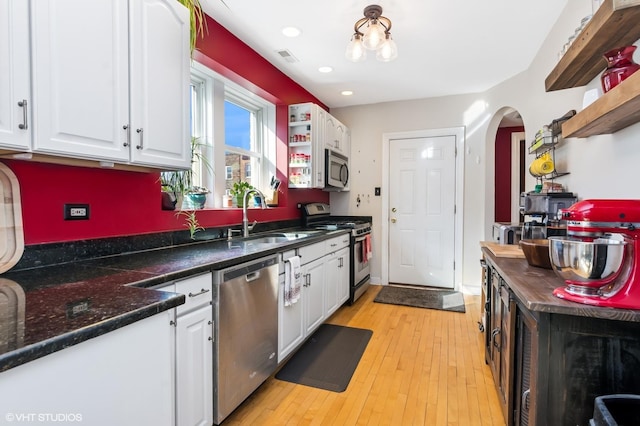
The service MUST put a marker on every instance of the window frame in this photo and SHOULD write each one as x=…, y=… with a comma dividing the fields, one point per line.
x=217, y=90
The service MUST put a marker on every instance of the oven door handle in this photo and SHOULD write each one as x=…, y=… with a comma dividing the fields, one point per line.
x=361, y=238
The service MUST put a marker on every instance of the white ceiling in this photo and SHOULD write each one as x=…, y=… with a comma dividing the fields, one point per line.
x=444, y=47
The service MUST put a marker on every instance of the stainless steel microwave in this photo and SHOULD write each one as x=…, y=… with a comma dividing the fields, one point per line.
x=336, y=171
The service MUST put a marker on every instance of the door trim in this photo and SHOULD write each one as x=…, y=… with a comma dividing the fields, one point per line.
x=387, y=140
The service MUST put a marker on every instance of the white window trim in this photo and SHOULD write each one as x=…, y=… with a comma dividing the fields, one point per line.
x=213, y=127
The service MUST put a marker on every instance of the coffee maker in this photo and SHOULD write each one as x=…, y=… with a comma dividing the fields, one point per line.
x=540, y=213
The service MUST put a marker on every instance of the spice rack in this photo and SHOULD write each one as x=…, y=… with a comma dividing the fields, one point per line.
x=306, y=130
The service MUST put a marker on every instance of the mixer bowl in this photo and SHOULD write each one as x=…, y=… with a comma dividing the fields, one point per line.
x=588, y=263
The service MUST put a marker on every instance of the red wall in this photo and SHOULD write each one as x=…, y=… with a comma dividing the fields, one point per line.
x=503, y=173
x=128, y=203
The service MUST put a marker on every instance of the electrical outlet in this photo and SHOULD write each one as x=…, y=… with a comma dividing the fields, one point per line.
x=76, y=211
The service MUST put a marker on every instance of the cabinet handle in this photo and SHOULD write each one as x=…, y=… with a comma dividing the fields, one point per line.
x=203, y=291
x=126, y=127
x=210, y=338
x=525, y=399
x=172, y=323
x=210, y=322
x=25, y=123
x=140, y=131
x=494, y=333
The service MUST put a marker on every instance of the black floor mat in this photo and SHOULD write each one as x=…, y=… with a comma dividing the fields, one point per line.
x=328, y=359
x=446, y=300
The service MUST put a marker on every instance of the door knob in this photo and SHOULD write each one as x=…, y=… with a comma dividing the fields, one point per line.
x=393, y=220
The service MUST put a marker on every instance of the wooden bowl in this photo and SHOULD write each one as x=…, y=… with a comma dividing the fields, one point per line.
x=536, y=252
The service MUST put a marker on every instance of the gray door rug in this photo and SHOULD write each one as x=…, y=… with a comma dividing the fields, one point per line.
x=446, y=300
x=328, y=359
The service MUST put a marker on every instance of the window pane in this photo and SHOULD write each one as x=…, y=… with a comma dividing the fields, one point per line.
x=237, y=126
x=237, y=164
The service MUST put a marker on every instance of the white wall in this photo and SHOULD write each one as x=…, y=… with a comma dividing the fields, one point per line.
x=599, y=166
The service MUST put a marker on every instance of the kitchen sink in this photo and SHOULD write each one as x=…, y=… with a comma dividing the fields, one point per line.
x=280, y=237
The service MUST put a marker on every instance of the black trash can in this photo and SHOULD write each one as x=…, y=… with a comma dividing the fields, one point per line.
x=614, y=410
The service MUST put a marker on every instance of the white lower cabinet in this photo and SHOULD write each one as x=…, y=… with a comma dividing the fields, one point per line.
x=193, y=348
x=325, y=287
x=313, y=291
x=194, y=368
x=123, y=377
x=337, y=280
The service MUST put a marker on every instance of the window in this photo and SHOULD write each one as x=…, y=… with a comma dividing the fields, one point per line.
x=240, y=125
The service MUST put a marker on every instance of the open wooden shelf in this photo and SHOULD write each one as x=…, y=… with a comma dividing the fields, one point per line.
x=613, y=111
x=615, y=24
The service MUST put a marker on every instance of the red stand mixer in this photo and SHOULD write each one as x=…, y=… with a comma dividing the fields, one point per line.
x=600, y=257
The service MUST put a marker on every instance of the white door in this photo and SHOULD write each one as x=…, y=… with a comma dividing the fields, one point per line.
x=160, y=78
x=80, y=78
x=422, y=183
x=313, y=274
x=194, y=368
x=15, y=95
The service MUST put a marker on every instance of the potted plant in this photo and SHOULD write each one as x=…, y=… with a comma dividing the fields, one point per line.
x=176, y=185
x=238, y=191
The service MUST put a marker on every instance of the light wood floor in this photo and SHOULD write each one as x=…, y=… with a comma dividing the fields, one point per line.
x=421, y=367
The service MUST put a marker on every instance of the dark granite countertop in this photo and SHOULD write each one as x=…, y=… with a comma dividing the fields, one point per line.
x=534, y=286
x=51, y=308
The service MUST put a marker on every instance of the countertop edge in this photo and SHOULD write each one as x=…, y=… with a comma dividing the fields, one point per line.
x=34, y=351
x=550, y=304
x=48, y=346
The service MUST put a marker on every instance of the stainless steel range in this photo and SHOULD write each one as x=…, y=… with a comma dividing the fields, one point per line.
x=318, y=216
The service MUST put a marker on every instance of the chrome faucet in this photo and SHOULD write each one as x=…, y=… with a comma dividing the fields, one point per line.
x=245, y=222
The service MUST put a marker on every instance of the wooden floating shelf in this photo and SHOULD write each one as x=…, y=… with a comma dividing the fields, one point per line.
x=615, y=24
x=613, y=111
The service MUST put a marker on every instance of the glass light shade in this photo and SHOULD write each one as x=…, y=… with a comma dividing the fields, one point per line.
x=373, y=35
x=355, y=50
x=388, y=51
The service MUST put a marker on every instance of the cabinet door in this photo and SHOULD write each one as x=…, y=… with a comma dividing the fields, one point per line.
x=290, y=325
x=494, y=336
x=337, y=280
x=313, y=295
x=80, y=78
x=101, y=378
x=330, y=132
x=319, y=136
x=194, y=368
x=525, y=368
x=333, y=276
x=14, y=75
x=507, y=340
x=344, y=281
x=160, y=79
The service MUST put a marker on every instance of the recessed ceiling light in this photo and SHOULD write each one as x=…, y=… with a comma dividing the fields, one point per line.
x=291, y=31
x=325, y=69
x=346, y=92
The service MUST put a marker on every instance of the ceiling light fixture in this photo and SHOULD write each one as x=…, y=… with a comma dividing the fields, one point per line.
x=375, y=36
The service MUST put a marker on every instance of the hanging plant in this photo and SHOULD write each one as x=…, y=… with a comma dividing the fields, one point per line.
x=197, y=20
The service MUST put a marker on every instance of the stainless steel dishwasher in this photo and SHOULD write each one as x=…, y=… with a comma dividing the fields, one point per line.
x=246, y=331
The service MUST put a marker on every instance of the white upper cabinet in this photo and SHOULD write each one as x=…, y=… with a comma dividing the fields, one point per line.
x=111, y=80
x=15, y=95
x=160, y=76
x=337, y=136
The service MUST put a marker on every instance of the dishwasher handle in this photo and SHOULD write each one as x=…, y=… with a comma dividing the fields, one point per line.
x=250, y=270
x=252, y=276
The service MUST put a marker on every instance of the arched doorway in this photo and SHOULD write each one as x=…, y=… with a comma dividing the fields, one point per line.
x=509, y=167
